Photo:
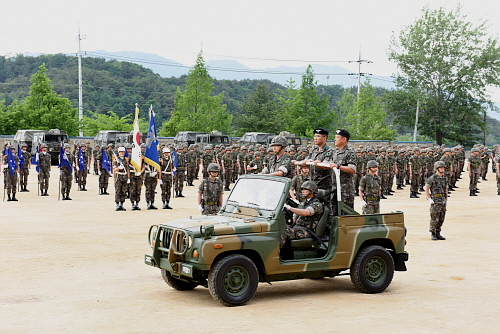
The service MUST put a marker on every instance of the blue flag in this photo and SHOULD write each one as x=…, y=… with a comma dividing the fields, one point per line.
x=81, y=161
x=174, y=155
x=126, y=153
x=36, y=159
x=20, y=156
x=151, y=155
x=64, y=161
x=105, y=161
x=11, y=161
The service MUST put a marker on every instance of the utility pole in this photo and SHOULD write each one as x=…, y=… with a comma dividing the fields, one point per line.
x=359, y=74
x=416, y=123
x=80, y=88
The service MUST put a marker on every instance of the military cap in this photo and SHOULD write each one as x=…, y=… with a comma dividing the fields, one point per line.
x=383, y=149
x=310, y=185
x=343, y=133
x=371, y=150
x=196, y=145
x=390, y=150
x=439, y=164
x=243, y=147
x=401, y=151
x=98, y=145
x=321, y=131
x=358, y=150
x=251, y=148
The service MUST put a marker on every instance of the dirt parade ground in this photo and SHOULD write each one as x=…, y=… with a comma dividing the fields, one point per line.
x=78, y=267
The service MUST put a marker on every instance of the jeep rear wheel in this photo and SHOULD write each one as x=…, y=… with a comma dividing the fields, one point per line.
x=176, y=283
x=233, y=280
x=372, y=269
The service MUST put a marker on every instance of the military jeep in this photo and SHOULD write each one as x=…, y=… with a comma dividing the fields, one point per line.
x=231, y=252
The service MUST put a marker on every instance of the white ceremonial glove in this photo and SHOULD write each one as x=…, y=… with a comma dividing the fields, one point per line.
x=430, y=200
x=363, y=203
x=200, y=208
x=138, y=173
x=5, y=166
x=49, y=172
x=161, y=181
x=288, y=207
x=175, y=169
x=446, y=203
x=153, y=173
x=99, y=172
x=18, y=175
x=128, y=180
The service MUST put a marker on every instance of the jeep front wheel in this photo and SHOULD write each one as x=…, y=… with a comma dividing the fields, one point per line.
x=233, y=280
x=372, y=269
x=176, y=283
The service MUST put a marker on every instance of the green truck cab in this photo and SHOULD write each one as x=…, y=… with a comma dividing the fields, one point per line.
x=231, y=252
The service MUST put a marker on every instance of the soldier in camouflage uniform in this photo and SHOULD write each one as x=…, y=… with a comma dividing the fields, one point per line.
x=369, y=189
x=210, y=192
x=383, y=171
x=235, y=152
x=44, y=165
x=122, y=177
x=392, y=170
x=496, y=162
x=150, y=182
x=166, y=165
x=227, y=168
x=485, y=160
x=136, y=180
x=24, y=168
x=359, y=169
x=306, y=217
x=436, y=192
x=474, y=167
x=448, y=161
x=66, y=176
x=95, y=154
x=10, y=176
x=297, y=181
x=76, y=150
x=280, y=163
x=400, y=169
x=255, y=166
x=206, y=159
x=191, y=159
x=103, y=172
x=243, y=160
x=321, y=152
x=82, y=173
x=415, y=165
x=197, y=153
x=180, y=174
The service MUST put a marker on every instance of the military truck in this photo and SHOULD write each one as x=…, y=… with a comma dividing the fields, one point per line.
x=292, y=139
x=213, y=138
x=186, y=137
x=25, y=136
x=231, y=252
x=105, y=137
x=252, y=138
x=54, y=138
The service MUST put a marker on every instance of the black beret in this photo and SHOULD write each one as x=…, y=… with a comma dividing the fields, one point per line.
x=321, y=131
x=343, y=133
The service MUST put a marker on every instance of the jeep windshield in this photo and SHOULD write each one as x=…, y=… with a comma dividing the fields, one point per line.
x=262, y=194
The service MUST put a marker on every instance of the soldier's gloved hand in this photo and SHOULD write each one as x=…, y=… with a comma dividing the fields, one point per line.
x=161, y=181
x=288, y=207
x=99, y=172
x=363, y=203
x=153, y=173
x=137, y=173
x=175, y=169
x=430, y=200
x=18, y=175
x=200, y=208
x=128, y=180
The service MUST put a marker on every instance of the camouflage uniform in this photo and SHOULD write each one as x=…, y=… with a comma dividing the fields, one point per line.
x=211, y=190
x=485, y=160
x=322, y=177
x=44, y=162
x=282, y=163
x=296, y=186
x=416, y=169
x=121, y=178
x=95, y=153
x=207, y=158
x=82, y=174
x=150, y=181
x=103, y=173
x=344, y=157
x=10, y=181
x=438, y=186
x=256, y=163
x=370, y=186
x=191, y=166
x=300, y=229
x=180, y=174
x=497, y=170
x=66, y=177
x=135, y=185
x=383, y=172
x=166, y=179
x=475, y=166
x=25, y=170
x=227, y=169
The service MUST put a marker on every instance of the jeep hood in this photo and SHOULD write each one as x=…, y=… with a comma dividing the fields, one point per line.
x=223, y=225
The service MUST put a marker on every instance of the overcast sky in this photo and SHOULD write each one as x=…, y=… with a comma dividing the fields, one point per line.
x=256, y=33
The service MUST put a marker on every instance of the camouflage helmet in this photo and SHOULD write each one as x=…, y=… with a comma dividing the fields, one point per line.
x=111, y=145
x=438, y=164
x=208, y=147
x=269, y=149
x=310, y=185
x=66, y=145
x=401, y=151
x=279, y=141
x=24, y=145
x=474, y=149
x=243, y=147
x=191, y=147
x=251, y=148
x=213, y=167
x=257, y=154
x=143, y=145
x=446, y=150
x=371, y=163
x=196, y=146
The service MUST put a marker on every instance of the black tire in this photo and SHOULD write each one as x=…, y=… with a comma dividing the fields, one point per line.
x=176, y=283
x=372, y=270
x=233, y=280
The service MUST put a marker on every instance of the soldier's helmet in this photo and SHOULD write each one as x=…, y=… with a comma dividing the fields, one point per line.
x=196, y=146
x=257, y=154
x=390, y=150
x=310, y=185
x=446, y=150
x=24, y=145
x=213, y=167
x=474, y=149
x=279, y=141
x=143, y=145
x=269, y=149
x=251, y=148
x=371, y=163
x=243, y=147
x=208, y=147
x=438, y=164
x=401, y=151
x=191, y=147
x=166, y=150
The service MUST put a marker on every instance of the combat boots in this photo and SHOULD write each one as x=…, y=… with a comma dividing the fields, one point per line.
x=399, y=187
x=226, y=189
x=8, y=198
x=383, y=197
x=118, y=208
x=121, y=207
x=165, y=205
x=180, y=194
x=434, y=236
x=439, y=236
x=413, y=195
x=472, y=193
